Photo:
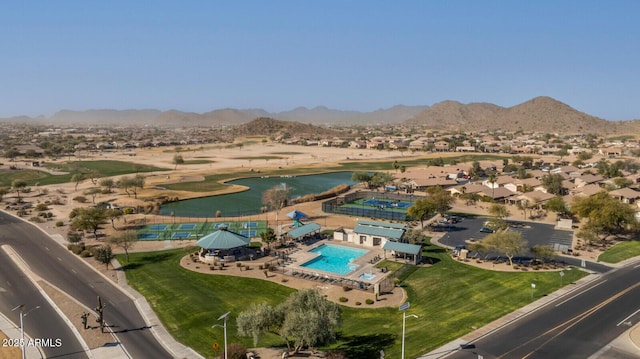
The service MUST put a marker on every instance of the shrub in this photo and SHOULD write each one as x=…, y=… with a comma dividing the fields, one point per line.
x=59, y=224
x=36, y=219
x=236, y=351
x=74, y=237
x=80, y=199
x=369, y=301
x=358, y=303
x=41, y=207
x=85, y=253
x=346, y=288
x=129, y=210
x=343, y=299
x=76, y=248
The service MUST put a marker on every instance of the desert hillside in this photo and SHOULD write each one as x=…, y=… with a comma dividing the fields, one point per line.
x=541, y=114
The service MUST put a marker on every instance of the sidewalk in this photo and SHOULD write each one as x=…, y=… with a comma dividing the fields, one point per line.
x=13, y=332
x=176, y=349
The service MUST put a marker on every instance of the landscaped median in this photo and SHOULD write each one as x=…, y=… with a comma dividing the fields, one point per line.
x=449, y=298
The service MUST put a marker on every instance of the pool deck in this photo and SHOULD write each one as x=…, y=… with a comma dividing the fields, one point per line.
x=365, y=263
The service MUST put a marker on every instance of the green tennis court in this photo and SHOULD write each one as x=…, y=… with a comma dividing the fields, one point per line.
x=197, y=230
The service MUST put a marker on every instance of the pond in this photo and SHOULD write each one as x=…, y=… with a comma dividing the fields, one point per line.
x=249, y=202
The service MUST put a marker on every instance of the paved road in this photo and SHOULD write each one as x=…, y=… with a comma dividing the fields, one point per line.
x=39, y=323
x=578, y=325
x=66, y=271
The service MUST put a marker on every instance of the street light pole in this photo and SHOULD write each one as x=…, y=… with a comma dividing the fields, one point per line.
x=404, y=308
x=22, y=315
x=224, y=327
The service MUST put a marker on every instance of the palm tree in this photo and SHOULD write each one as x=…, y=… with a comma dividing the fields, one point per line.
x=492, y=180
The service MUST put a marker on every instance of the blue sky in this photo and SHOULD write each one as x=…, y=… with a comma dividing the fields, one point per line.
x=350, y=55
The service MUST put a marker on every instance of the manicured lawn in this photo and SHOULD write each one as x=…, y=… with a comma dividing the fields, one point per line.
x=450, y=299
x=620, y=252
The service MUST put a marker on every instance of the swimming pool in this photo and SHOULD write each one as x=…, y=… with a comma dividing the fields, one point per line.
x=334, y=259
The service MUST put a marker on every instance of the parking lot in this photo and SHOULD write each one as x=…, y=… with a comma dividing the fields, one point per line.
x=469, y=228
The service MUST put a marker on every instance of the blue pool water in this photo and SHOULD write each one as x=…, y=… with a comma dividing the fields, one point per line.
x=335, y=259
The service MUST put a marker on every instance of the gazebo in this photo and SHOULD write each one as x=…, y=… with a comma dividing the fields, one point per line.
x=223, y=244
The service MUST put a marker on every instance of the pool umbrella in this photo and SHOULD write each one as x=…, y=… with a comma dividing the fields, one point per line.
x=295, y=214
x=222, y=239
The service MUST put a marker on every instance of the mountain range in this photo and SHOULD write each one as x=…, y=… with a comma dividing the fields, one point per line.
x=541, y=114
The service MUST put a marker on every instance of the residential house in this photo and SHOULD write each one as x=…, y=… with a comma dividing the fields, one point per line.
x=625, y=195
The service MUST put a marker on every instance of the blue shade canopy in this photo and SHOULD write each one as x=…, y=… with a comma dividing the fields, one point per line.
x=223, y=239
x=295, y=214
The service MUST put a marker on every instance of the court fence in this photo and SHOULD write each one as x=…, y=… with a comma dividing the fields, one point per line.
x=337, y=205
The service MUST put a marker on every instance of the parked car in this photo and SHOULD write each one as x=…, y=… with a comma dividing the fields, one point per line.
x=486, y=230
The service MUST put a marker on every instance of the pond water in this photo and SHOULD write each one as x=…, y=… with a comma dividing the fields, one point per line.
x=249, y=202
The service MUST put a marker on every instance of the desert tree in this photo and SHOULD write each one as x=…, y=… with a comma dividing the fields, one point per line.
x=87, y=219
x=177, y=160
x=112, y=214
x=93, y=192
x=605, y=215
x=305, y=319
x=552, y=183
x=125, y=241
x=509, y=243
x=18, y=186
x=362, y=177
x=268, y=237
x=77, y=178
x=421, y=210
x=104, y=255
x=276, y=198
x=108, y=184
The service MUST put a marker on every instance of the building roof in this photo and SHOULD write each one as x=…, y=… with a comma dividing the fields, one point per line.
x=625, y=192
x=402, y=247
x=382, y=229
x=304, y=230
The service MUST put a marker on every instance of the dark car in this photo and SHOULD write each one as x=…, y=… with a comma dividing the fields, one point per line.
x=486, y=230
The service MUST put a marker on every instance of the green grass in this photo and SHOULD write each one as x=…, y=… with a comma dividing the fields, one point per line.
x=197, y=162
x=188, y=303
x=620, y=252
x=104, y=168
x=251, y=158
x=450, y=299
x=215, y=182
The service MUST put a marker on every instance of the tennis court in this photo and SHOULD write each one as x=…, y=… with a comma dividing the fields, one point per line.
x=187, y=226
x=249, y=233
x=386, y=204
x=180, y=235
x=149, y=236
x=182, y=231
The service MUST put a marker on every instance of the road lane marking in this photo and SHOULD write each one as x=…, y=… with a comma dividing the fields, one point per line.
x=579, y=294
x=631, y=315
x=59, y=259
x=91, y=285
x=568, y=324
x=47, y=248
x=74, y=271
